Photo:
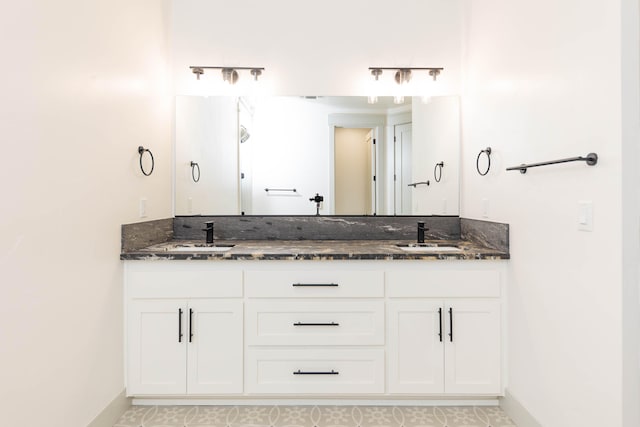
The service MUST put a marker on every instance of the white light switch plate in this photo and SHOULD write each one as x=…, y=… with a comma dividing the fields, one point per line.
x=585, y=215
x=485, y=208
x=143, y=208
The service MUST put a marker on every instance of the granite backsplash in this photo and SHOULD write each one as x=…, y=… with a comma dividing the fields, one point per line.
x=317, y=227
x=489, y=234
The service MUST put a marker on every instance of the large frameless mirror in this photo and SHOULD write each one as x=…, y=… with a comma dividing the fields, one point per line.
x=281, y=155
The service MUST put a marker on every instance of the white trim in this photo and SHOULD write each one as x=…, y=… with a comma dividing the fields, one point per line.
x=113, y=411
x=318, y=402
x=399, y=119
x=174, y=151
x=517, y=412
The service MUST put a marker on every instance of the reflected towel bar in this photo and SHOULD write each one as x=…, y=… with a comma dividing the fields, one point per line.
x=591, y=159
x=415, y=184
x=293, y=190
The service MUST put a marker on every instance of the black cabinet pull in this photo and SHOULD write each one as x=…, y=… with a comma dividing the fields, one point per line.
x=450, y=324
x=179, y=325
x=190, y=324
x=332, y=372
x=440, y=323
x=316, y=324
x=314, y=284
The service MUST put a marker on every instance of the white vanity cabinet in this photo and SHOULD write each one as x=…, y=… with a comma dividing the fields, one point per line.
x=444, y=332
x=315, y=332
x=349, y=329
x=184, y=331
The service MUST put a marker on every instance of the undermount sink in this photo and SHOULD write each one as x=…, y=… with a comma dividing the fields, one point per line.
x=201, y=248
x=417, y=247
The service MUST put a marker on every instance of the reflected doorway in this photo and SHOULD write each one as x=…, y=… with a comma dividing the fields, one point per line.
x=354, y=171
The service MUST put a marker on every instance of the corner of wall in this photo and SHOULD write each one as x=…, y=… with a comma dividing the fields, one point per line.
x=517, y=412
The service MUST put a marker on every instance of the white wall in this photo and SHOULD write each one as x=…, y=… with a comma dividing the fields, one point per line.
x=317, y=47
x=83, y=85
x=543, y=81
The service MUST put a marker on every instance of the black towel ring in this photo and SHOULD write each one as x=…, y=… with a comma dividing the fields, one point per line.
x=488, y=153
x=438, y=176
x=141, y=151
x=194, y=165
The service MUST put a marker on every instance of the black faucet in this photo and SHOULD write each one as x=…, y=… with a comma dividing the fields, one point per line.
x=209, y=230
x=317, y=199
x=421, y=231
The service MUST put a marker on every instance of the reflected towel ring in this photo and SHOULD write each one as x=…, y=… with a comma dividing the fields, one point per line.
x=194, y=165
x=438, y=176
x=141, y=151
x=488, y=153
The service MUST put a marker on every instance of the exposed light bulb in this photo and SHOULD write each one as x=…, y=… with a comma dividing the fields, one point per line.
x=374, y=86
x=229, y=76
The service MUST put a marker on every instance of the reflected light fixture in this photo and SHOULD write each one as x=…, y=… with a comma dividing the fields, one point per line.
x=230, y=75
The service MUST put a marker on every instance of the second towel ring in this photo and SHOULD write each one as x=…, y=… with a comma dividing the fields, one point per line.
x=487, y=151
x=438, y=176
x=141, y=151
x=194, y=165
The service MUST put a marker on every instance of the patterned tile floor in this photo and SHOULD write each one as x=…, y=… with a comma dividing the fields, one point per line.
x=314, y=416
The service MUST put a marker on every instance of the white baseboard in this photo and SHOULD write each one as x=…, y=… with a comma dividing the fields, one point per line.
x=517, y=412
x=114, y=410
x=316, y=401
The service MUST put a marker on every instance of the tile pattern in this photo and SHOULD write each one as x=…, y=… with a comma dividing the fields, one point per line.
x=314, y=416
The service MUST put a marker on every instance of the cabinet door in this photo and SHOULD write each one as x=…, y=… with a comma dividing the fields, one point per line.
x=156, y=347
x=416, y=354
x=472, y=353
x=214, y=336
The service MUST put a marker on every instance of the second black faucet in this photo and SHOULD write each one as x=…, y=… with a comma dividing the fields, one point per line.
x=209, y=229
x=421, y=231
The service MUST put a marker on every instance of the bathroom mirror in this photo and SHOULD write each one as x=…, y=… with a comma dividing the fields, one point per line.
x=281, y=155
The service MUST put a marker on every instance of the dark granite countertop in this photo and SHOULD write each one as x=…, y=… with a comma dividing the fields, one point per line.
x=313, y=250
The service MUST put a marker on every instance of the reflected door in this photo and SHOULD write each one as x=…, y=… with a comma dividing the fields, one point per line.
x=402, y=168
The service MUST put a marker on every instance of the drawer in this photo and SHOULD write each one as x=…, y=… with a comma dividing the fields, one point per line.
x=163, y=283
x=443, y=284
x=322, y=322
x=313, y=284
x=322, y=371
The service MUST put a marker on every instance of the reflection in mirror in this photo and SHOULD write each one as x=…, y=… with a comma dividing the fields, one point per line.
x=273, y=155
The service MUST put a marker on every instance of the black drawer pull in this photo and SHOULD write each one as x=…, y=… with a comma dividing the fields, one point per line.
x=179, y=325
x=323, y=285
x=450, y=324
x=190, y=325
x=316, y=324
x=332, y=372
x=440, y=328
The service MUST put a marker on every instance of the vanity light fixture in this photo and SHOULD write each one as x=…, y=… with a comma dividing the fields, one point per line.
x=229, y=74
x=402, y=78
